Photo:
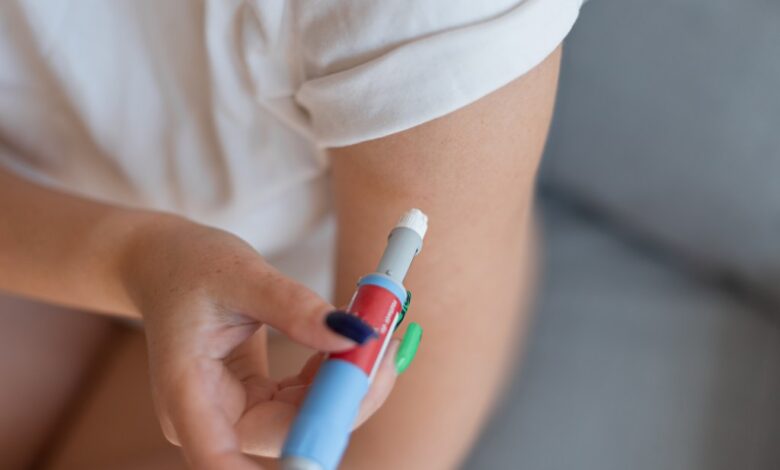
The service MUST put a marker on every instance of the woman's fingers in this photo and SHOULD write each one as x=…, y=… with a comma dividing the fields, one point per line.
x=295, y=310
x=382, y=385
x=293, y=389
x=194, y=407
x=307, y=373
x=293, y=394
x=263, y=427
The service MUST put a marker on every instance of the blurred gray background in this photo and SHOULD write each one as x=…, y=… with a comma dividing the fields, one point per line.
x=656, y=343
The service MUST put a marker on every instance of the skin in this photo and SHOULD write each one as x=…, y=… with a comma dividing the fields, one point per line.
x=205, y=295
x=46, y=358
x=472, y=172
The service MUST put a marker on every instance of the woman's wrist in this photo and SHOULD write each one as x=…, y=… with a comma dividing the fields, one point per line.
x=168, y=257
x=144, y=240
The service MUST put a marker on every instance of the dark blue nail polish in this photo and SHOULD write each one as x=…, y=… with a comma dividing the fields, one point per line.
x=350, y=326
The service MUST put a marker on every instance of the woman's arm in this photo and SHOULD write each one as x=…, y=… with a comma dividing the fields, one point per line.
x=66, y=249
x=473, y=173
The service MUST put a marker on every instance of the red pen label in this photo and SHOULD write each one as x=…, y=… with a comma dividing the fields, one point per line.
x=379, y=308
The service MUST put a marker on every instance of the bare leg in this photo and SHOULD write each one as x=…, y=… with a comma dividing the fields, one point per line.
x=45, y=354
x=103, y=434
x=116, y=427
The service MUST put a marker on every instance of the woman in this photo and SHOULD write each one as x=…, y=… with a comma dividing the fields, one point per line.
x=153, y=151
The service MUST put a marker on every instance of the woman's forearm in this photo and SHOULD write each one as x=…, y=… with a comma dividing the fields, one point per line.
x=66, y=249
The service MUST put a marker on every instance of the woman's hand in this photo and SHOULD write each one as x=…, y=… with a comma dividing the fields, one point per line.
x=205, y=295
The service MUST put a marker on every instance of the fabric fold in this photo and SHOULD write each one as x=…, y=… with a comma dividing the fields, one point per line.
x=435, y=75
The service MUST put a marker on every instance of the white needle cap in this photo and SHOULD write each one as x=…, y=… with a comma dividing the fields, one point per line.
x=416, y=220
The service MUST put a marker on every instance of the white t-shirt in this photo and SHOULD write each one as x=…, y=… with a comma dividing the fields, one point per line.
x=219, y=110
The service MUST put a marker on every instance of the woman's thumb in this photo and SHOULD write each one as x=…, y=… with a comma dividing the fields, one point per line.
x=307, y=318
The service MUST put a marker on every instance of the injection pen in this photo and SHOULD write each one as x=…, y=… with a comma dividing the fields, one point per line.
x=320, y=433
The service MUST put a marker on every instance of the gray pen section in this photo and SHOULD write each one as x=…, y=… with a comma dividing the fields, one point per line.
x=403, y=244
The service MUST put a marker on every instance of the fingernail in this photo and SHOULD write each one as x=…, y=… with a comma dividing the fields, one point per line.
x=408, y=348
x=350, y=326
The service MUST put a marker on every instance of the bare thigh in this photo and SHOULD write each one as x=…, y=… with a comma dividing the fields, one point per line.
x=46, y=353
x=116, y=426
